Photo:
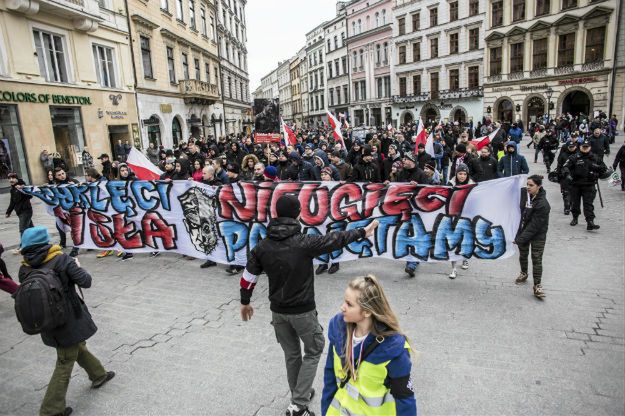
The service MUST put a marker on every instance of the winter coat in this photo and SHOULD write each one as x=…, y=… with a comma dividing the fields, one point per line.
x=620, y=159
x=344, y=169
x=516, y=134
x=512, y=164
x=387, y=166
x=534, y=218
x=600, y=146
x=415, y=174
x=79, y=325
x=488, y=169
x=152, y=155
x=423, y=159
x=583, y=168
x=20, y=202
x=365, y=172
x=286, y=255
x=470, y=161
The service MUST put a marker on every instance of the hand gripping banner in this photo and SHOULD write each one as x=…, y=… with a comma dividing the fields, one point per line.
x=417, y=222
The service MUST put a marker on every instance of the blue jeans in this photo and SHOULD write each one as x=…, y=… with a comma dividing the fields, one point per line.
x=412, y=265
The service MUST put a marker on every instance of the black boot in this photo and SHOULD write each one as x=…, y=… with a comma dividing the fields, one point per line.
x=208, y=263
x=590, y=225
x=321, y=269
x=334, y=268
x=574, y=221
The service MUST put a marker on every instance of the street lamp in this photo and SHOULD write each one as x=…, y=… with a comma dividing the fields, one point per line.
x=549, y=94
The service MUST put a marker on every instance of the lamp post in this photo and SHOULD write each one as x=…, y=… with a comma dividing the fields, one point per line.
x=549, y=94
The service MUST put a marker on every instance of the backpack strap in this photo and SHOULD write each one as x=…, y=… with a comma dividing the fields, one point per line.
x=365, y=354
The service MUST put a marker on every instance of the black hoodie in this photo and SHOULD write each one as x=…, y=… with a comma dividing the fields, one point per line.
x=286, y=255
x=20, y=202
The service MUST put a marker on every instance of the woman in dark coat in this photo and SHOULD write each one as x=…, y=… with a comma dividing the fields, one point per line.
x=532, y=233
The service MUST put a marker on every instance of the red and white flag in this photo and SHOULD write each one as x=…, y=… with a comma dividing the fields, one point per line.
x=484, y=141
x=342, y=116
x=336, y=128
x=421, y=135
x=142, y=167
x=289, y=135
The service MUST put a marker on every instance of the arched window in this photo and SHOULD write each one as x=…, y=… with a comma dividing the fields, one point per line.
x=377, y=54
x=354, y=28
x=385, y=52
x=336, y=42
x=362, y=53
x=377, y=19
x=355, y=60
x=383, y=17
x=176, y=131
x=359, y=26
x=368, y=26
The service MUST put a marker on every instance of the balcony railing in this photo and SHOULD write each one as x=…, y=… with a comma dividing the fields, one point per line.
x=494, y=78
x=515, y=75
x=461, y=93
x=199, y=92
x=566, y=69
x=592, y=66
x=85, y=14
x=538, y=73
x=414, y=98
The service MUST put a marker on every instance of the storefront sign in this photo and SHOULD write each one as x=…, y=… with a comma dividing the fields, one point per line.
x=117, y=114
x=30, y=97
x=577, y=80
x=166, y=108
x=533, y=87
x=502, y=89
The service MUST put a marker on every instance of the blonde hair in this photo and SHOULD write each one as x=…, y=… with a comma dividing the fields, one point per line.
x=372, y=299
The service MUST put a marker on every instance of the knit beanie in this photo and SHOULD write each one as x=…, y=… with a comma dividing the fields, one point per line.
x=271, y=172
x=34, y=236
x=288, y=206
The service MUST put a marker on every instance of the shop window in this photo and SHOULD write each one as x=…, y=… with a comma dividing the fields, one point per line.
x=51, y=56
x=12, y=157
x=105, y=67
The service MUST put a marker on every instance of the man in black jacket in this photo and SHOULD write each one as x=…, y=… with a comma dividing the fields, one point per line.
x=366, y=169
x=488, y=166
x=286, y=255
x=599, y=144
x=20, y=202
x=70, y=338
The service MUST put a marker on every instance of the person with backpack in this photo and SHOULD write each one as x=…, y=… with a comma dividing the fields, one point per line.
x=367, y=371
x=48, y=280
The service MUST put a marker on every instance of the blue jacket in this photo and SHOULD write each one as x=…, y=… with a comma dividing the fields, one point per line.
x=516, y=134
x=391, y=349
x=511, y=165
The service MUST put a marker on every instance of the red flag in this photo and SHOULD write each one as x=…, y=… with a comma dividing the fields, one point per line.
x=336, y=128
x=422, y=136
x=289, y=135
x=485, y=141
x=142, y=167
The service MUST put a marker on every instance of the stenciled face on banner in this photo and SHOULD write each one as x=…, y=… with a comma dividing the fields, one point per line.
x=200, y=219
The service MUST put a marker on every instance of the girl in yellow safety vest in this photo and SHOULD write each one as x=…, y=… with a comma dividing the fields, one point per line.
x=368, y=367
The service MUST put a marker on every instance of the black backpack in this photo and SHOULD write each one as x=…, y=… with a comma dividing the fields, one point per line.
x=40, y=301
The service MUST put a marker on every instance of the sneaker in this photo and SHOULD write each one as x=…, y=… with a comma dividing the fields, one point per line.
x=321, y=269
x=234, y=269
x=334, y=268
x=74, y=252
x=453, y=274
x=295, y=410
x=104, y=253
x=102, y=381
x=16, y=251
x=465, y=264
x=155, y=253
x=208, y=263
x=538, y=291
x=127, y=256
x=410, y=271
x=521, y=279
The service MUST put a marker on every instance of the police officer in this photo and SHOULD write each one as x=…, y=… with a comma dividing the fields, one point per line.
x=582, y=170
x=567, y=150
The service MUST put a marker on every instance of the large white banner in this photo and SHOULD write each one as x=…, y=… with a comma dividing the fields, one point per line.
x=417, y=222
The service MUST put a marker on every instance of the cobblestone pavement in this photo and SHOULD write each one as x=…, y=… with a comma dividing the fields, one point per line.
x=173, y=334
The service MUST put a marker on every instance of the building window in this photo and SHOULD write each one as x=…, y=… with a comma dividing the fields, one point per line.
x=402, y=54
x=379, y=89
x=416, y=84
x=497, y=13
x=146, y=57
x=542, y=7
x=179, y=14
x=328, y=45
x=51, y=56
x=566, y=49
x=361, y=56
x=434, y=48
x=329, y=70
x=344, y=64
x=385, y=55
x=336, y=42
x=383, y=17
x=387, y=86
x=433, y=17
x=213, y=33
x=185, y=65
x=170, y=65
x=454, y=79
x=495, y=61
x=434, y=85
x=165, y=5
x=378, y=49
x=474, y=7
x=342, y=38
x=355, y=63
x=105, y=69
x=516, y=57
x=416, y=24
x=356, y=92
x=474, y=39
x=401, y=23
x=474, y=77
x=569, y=4
x=207, y=72
x=359, y=26
x=416, y=52
x=336, y=67
x=196, y=63
x=331, y=96
x=453, y=43
x=595, y=43
x=518, y=10
x=203, y=21
x=402, y=87
x=363, y=90
x=345, y=93
x=353, y=30
x=539, y=53
x=192, y=14
x=338, y=95
x=453, y=11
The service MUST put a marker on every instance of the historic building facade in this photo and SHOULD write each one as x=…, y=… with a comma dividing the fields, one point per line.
x=295, y=66
x=370, y=50
x=284, y=90
x=316, y=79
x=546, y=56
x=337, y=66
x=66, y=83
x=438, y=60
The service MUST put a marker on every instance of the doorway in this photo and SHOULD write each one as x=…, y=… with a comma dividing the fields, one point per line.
x=504, y=111
x=69, y=137
x=118, y=133
x=535, y=110
x=576, y=102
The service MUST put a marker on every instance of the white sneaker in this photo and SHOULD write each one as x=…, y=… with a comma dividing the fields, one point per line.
x=465, y=264
x=453, y=274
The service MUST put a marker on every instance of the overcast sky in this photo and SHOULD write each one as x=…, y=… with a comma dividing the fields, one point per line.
x=276, y=30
